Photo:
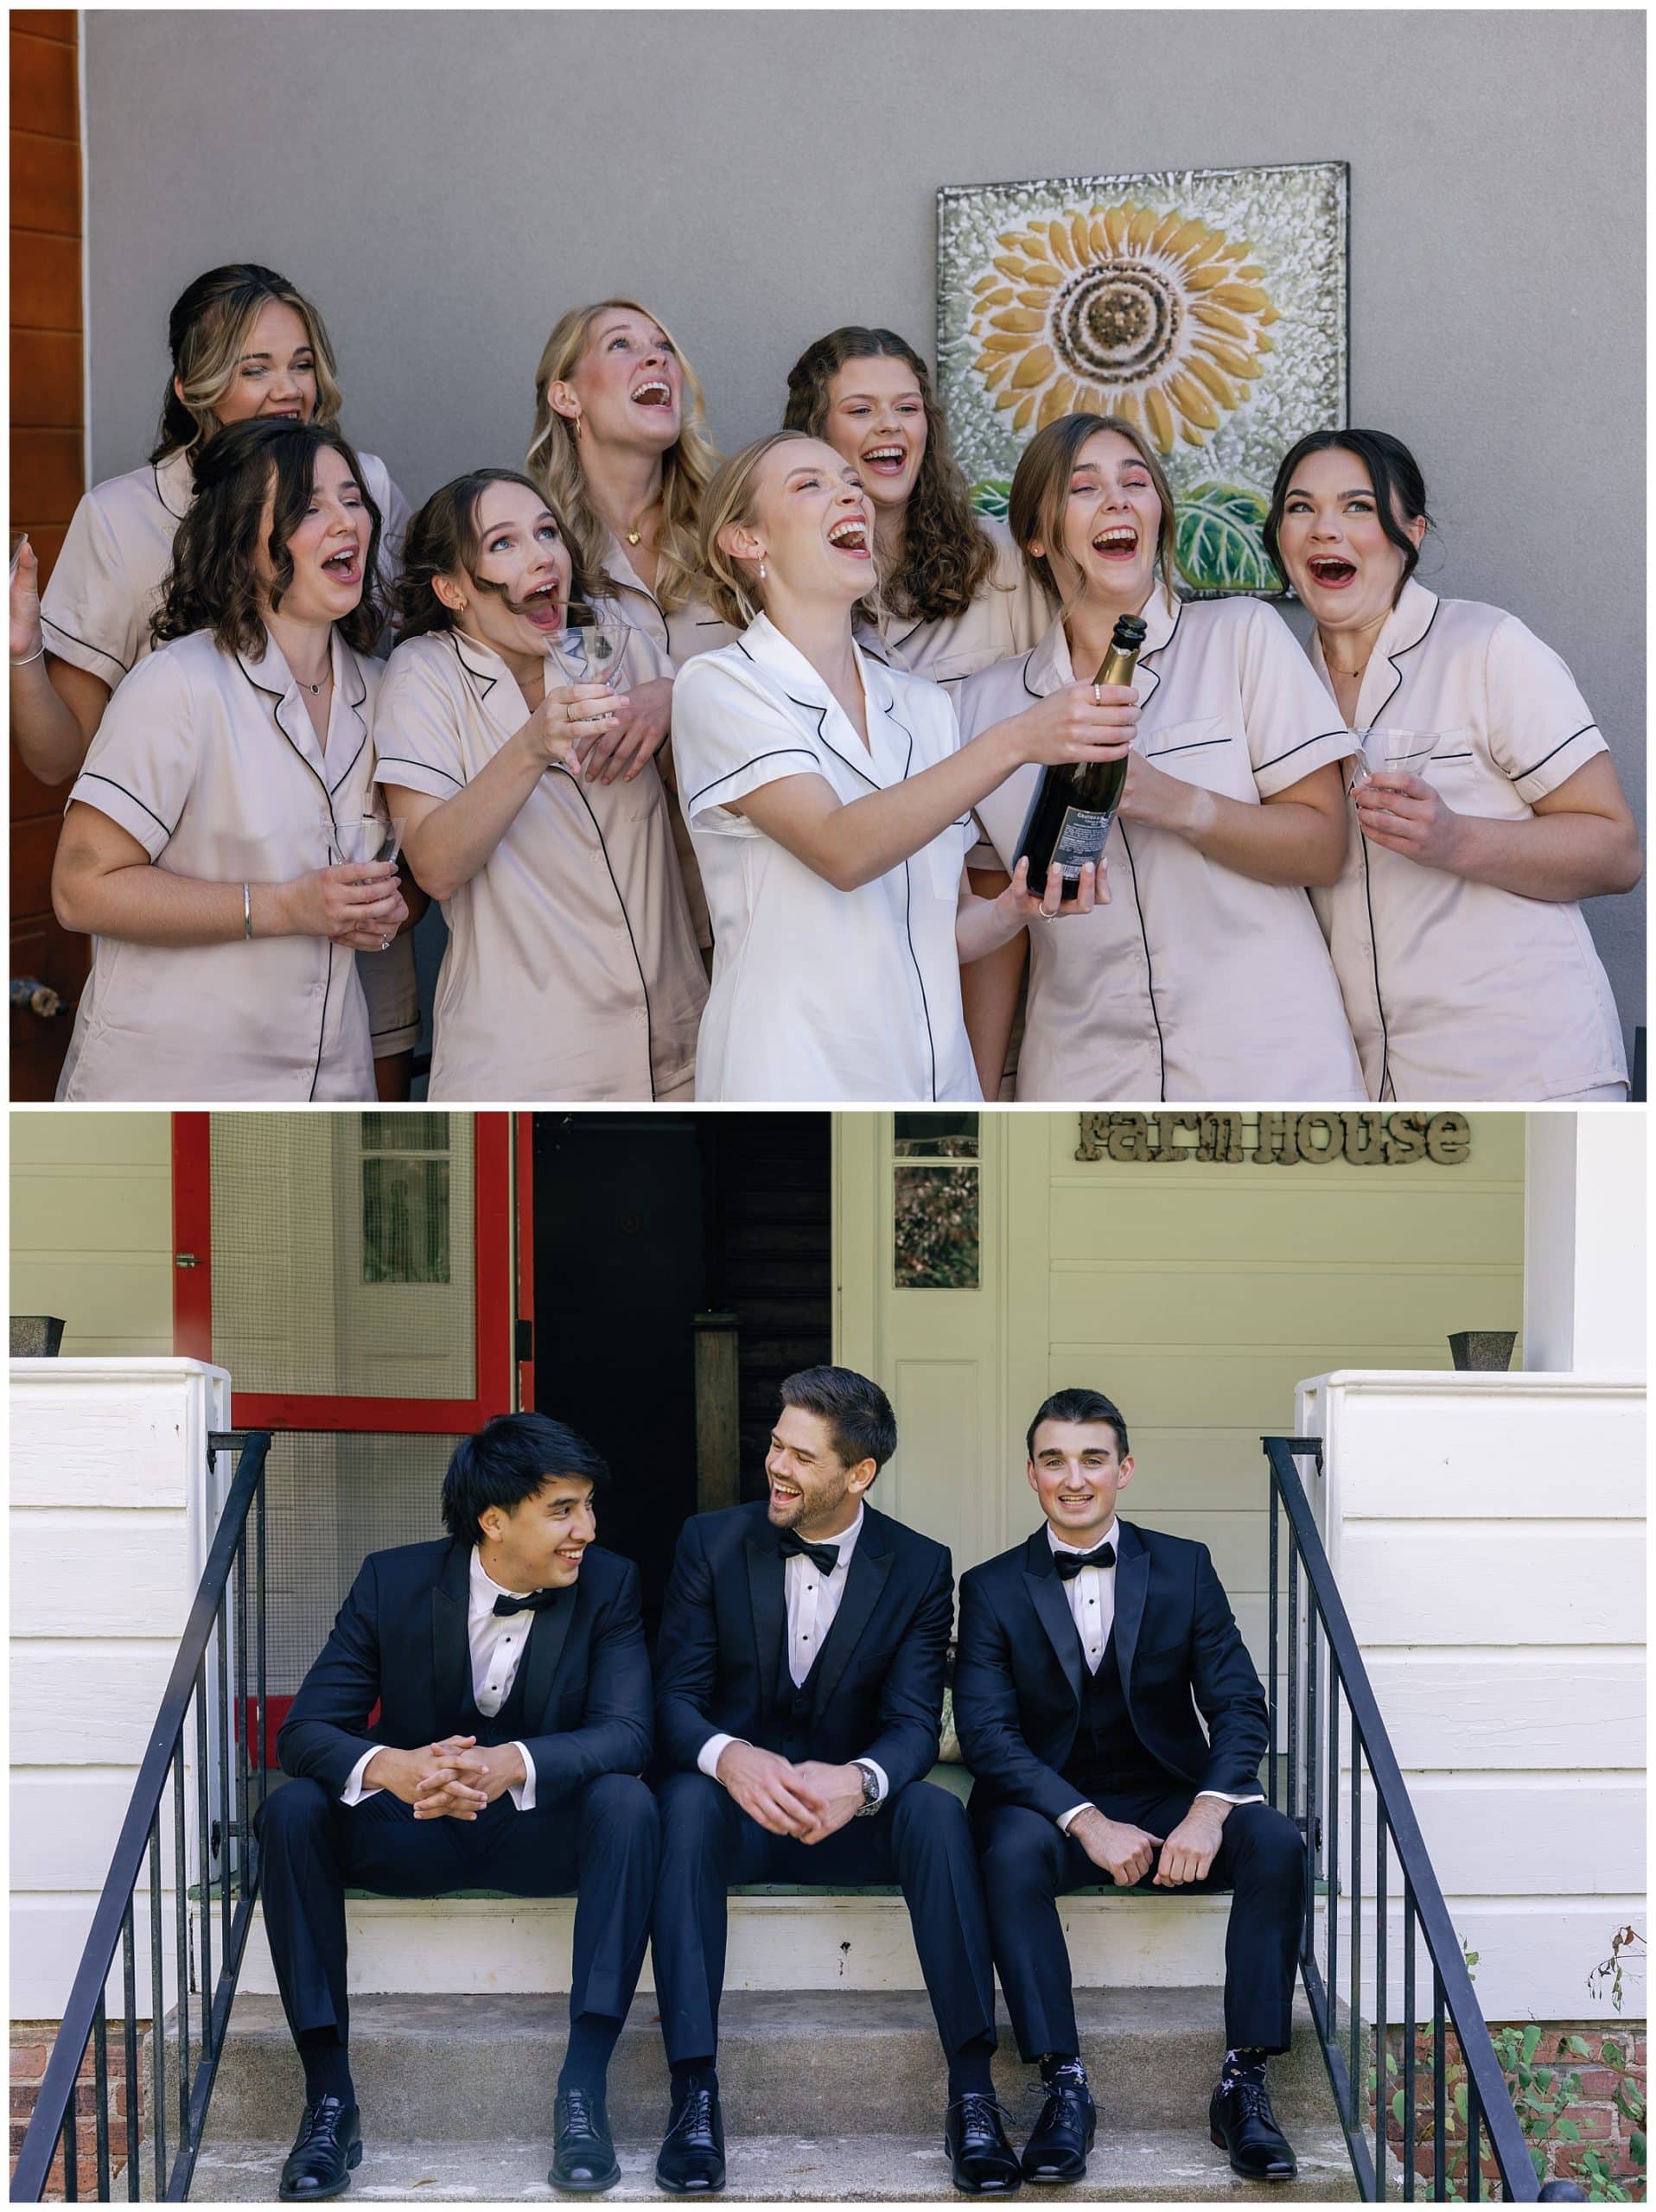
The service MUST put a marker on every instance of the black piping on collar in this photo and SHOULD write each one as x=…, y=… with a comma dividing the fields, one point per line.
x=809, y=707
x=154, y=471
x=480, y=676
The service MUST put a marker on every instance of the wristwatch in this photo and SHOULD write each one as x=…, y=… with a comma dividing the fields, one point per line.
x=870, y=1790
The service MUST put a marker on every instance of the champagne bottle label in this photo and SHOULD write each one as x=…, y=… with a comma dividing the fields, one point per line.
x=1081, y=837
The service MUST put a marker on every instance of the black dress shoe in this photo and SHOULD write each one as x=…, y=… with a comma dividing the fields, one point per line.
x=583, y=2156
x=692, y=2161
x=1063, y=2135
x=329, y=2145
x=1240, y=2120
x=984, y=2164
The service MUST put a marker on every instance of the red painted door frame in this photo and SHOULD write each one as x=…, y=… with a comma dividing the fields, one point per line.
x=497, y=1294
x=524, y=1133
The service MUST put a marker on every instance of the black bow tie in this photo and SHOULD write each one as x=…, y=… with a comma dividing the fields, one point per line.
x=1071, y=1563
x=824, y=1557
x=536, y=1602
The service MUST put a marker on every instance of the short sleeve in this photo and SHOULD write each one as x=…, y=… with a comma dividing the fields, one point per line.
x=141, y=767
x=1293, y=726
x=728, y=740
x=394, y=517
x=416, y=735
x=91, y=614
x=1540, y=729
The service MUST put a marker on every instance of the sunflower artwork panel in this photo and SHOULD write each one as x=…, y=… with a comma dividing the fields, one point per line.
x=1206, y=306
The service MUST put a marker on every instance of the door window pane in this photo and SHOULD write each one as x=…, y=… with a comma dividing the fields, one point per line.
x=936, y=1204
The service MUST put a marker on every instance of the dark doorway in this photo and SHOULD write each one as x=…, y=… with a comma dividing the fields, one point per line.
x=642, y=1222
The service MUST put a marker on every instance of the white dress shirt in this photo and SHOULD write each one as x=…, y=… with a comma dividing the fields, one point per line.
x=497, y=1641
x=1091, y=1599
x=813, y=1601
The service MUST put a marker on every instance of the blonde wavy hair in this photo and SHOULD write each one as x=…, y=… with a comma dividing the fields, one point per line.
x=730, y=587
x=207, y=335
x=687, y=467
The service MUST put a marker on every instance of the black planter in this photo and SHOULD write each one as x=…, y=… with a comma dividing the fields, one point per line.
x=36, y=1335
x=1483, y=1351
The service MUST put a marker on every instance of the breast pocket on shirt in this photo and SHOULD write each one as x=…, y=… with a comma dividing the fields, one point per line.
x=1204, y=752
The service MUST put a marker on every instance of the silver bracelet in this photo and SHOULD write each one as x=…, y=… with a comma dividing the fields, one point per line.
x=247, y=910
x=29, y=658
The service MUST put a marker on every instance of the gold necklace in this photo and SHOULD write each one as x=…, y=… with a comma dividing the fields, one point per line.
x=635, y=537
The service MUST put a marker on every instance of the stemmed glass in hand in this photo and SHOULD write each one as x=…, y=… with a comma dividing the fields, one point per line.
x=591, y=647
x=357, y=838
x=1397, y=752
x=365, y=836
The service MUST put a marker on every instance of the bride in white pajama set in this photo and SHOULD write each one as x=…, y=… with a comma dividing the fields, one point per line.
x=831, y=802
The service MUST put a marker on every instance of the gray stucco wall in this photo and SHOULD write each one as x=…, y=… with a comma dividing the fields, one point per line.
x=445, y=185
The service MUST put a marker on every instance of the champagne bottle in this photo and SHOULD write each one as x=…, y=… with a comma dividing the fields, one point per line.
x=1074, y=807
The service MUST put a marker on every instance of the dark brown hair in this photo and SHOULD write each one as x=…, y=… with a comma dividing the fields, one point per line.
x=858, y=1412
x=1399, y=489
x=1090, y=1406
x=212, y=583
x=1041, y=488
x=946, y=556
x=443, y=538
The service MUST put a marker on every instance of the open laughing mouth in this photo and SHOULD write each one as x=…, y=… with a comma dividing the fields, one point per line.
x=655, y=393
x=1331, y=571
x=1119, y=543
x=886, y=460
x=852, y=537
x=541, y=607
x=345, y=567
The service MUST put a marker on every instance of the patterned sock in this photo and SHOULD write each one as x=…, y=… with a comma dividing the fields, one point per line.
x=969, y=2072
x=328, y=2066
x=1065, y=2063
x=1247, y=2063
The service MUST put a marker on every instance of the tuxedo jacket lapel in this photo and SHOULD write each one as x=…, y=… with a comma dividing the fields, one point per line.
x=547, y=1636
x=768, y=1599
x=1132, y=1587
x=865, y=1578
x=1046, y=1596
x=450, y=1647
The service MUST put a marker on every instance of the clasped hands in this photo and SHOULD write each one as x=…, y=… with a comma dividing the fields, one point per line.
x=452, y=1780
x=809, y=1801
x=1125, y=1852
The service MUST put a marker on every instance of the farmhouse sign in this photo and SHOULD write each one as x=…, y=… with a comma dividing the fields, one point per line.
x=1279, y=1140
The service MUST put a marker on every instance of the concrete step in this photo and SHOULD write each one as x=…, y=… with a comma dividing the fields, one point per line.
x=1166, y=2167
x=780, y=1940
x=485, y=2067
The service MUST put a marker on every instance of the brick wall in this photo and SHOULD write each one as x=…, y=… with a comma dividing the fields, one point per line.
x=31, y=2046
x=47, y=471
x=1600, y=2125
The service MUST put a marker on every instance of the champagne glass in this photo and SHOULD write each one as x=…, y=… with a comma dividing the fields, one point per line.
x=591, y=647
x=369, y=835
x=1397, y=752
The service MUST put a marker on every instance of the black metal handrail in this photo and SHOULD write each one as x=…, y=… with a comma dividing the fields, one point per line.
x=1321, y=1698
x=202, y=1677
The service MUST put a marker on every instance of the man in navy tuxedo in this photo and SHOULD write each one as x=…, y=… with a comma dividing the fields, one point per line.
x=1086, y=1655
x=508, y=1665
x=799, y=1688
